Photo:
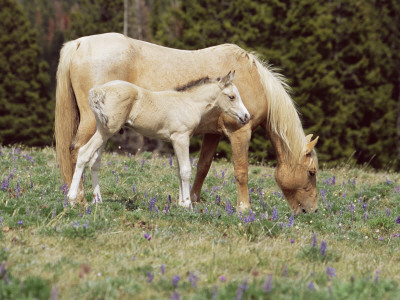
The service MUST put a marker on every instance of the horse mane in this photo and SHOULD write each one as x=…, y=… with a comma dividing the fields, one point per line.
x=192, y=84
x=283, y=118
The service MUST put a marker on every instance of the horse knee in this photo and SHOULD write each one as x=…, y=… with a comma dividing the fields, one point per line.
x=185, y=174
x=241, y=177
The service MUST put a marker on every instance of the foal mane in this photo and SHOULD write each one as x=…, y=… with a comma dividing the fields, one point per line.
x=194, y=83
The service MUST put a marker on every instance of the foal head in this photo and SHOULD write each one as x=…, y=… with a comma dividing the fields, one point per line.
x=229, y=99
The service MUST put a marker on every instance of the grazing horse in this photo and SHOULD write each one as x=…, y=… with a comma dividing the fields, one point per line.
x=97, y=59
x=171, y=116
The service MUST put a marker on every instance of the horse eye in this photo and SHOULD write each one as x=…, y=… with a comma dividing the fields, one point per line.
x=311, y=173
x=231, y=97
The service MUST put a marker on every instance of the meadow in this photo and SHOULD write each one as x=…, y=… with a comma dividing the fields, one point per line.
x=138, y=244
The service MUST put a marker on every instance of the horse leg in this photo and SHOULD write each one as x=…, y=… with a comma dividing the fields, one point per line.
x=94, y=169
x=240, y=140
x=85, y=154
x=208, y=148
x=181, y=147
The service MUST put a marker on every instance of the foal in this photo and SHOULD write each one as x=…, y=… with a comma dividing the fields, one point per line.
x=171, y=116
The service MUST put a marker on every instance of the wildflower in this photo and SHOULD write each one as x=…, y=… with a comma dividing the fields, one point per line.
x=147, y=236
x=268, y=284
x=284, y=274
x=170, y=161
x=193, y=279
x=242, y=287
x=376, y=279
x=291, y=220
x=88, y=210
x=229, y=208
x=20, y=223
x=274, y=214
x=314, y=241
x=380, y=239
x=133, y=187
x=175, y=296
x=86, y=225
x=292, y=241
x=331, y=272
x=175, y=280
x=398, y=220
x=150, y=277
x=76, y=224
x=311, y=286
x=322, y=249
x=222, y=278
x=162, y=269
x=215, y=292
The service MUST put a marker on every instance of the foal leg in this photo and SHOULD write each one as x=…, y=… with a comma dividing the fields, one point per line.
x=85, y=154
x=94, y=169
x=208, y=148
x=240, y=140
x=180, y=144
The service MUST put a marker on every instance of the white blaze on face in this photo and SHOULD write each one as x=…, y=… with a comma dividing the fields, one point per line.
x=243, y=108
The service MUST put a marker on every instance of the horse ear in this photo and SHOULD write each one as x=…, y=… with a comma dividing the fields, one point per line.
x=310, y=145
x=308, y=137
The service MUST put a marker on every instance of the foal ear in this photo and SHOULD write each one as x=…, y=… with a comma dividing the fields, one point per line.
x=227, y=79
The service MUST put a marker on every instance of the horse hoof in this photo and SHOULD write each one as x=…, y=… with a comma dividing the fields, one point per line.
x=243, y=207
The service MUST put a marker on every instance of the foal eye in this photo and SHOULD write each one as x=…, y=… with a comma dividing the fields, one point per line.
x=231, y=97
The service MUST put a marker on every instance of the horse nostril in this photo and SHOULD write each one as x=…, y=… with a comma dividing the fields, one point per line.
x=304, y=211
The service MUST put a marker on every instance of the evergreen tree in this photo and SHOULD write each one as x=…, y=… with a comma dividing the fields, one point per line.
x=95, y=17
x=25, y=109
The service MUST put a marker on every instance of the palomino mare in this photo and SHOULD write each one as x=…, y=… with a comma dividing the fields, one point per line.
x=171, y=116
x=94, y=60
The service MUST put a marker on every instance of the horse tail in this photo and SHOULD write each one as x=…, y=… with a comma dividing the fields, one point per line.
x=66, y=112
x=97, y=96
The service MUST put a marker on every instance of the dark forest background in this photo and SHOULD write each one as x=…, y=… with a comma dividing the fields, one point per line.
x=342, y=60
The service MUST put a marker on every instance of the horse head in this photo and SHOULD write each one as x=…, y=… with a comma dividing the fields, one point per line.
x=298, y=183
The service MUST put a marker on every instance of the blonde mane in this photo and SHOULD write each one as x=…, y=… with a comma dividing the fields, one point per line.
x=283, y=117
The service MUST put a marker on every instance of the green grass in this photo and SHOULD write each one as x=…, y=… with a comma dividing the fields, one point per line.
x=49, y=250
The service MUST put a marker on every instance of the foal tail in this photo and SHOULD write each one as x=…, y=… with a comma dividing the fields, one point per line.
x=66, y=112
x=96, y=102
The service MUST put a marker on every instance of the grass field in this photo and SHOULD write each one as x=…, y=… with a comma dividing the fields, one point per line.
x=138, y=244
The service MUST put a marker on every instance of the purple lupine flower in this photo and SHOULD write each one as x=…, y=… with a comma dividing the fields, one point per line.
x=76, y=224
x=311, y=286
x=228, y=207
x=398, y=220
x=291, y=220
x=241, y=288
x=291, y=240
x=175, y=296
x=314, y=240
x=152, y=204
x=175, y=280
x=331, y=272
x=215, y=292
x=147, y=236
x=322, y=249
x=274, y=214
x=133, y=187
x=150, y=277
x=86, y=225
x=284, y=273
x=54, y=293
x=20, y=223
x=193, y=279
x=17, y=190
x=376, y=279
x=217, y=199
x=170, y=160
x=162, y=269
x=267, y=286
x=222, y=278
x=88, y=210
